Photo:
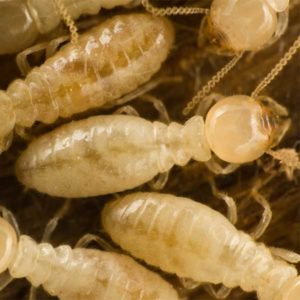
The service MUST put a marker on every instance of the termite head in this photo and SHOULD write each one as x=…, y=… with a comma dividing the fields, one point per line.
x=241, y=25
x=8, y=244
x=7, y=121
x=17, y=26
x=290, y=291
x=240, y=129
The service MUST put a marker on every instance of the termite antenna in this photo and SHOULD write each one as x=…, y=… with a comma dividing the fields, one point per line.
x=68, y=20
x=211, y=84
x=277, y=68
x=173, y=10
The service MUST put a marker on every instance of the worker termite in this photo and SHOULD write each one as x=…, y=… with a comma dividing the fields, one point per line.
x=22, y=21
x=187, y=238
x=79, y=273
x=109, y=154
x=108, y=61
x=112, y=153
x=236, y=26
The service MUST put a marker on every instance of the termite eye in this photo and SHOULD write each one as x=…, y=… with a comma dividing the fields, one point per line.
x=8, y=243
x=236, y=129
x=242, y=25
x=292, y=292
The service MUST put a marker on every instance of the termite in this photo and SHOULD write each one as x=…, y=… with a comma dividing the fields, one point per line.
x=21, y=22
x=82, y=274
x=193, y=241
x=236, y=25
x=108, y=61
x=112, y=153
x=109, y=154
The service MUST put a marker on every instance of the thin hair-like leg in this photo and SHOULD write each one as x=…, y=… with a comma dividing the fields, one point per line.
x=52, y=224
x=152, y=84
x=127, y=110
x=84, y=241
x=159, y=181
x=221, y=293
x=159, y=106
x=266, y=216
x=230, y=203
x=10, y=218
x=214, y=165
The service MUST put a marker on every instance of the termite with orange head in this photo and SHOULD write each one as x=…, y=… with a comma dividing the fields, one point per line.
x=83, y=274
x=108, y=61
x=189, y=239
x=113, y=153
x=22, y=21
x=234, y=26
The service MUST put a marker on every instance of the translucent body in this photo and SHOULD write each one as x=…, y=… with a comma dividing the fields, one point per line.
x=22, y=21
x=243, y=25
x=81, y=274
x=237, y=129
x=108, y=154
x=193, y=241
x=110, y=60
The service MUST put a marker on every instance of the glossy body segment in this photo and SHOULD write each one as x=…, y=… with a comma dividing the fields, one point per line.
x=86, y=274
x=108, y=154
x=192, y=240
x=109, y=61
x=21, y=21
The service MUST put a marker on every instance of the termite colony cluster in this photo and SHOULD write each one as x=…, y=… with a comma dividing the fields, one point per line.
x=149, y=149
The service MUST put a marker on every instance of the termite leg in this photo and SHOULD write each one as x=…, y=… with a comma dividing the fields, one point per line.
x=127, y=110
x=49, y=47
x=215, y=166
x=5, y=280
x=52, y=224
x=159, y=106
x=32, y=293
x=287, y=255
x=8, y=216
x=22, y=57
x=159, y=181
x=206, y=103
x=231, y=205
x=189, y=284
x=54, y=45
x=84, y=241
x=222, y=293
x=266, y=217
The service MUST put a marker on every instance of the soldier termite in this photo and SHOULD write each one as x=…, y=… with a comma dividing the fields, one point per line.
x=22, y=21
x=83, y=274
x=193, y=241
x=108, y=61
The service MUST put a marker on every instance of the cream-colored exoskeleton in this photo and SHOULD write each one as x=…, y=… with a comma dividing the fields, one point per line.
x=237, y=25
x=112, y=153
x=21, y=21
x=82, y=274
x=108, y=61
x=194, y=241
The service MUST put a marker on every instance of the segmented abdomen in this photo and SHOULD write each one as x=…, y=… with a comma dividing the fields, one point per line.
x=95, y=156
x=87, y=274
x=190, y=239
x=110, y=60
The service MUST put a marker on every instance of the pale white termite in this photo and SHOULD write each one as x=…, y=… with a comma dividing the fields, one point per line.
x=81, y=274
x=237, y=25
x=112, y=153
x=194, y=241
x=108, y=61
x=21, y=21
